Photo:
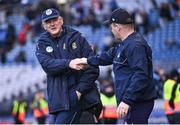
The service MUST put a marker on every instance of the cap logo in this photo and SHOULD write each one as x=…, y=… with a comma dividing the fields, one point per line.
x=113, y=19
x=48, y=12
x=49, y=49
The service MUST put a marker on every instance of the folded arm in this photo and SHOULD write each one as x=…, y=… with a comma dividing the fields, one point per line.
x=50, y=65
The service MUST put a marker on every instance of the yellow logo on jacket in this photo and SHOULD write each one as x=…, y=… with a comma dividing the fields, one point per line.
x=74, y=45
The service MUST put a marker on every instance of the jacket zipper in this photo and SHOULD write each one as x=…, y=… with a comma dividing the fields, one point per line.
x=63, y=79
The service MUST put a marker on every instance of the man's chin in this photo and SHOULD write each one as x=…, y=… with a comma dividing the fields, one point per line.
x=55, y=34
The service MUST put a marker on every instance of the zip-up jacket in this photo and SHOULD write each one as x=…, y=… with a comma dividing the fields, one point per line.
x=132, y=66
x=54, y=55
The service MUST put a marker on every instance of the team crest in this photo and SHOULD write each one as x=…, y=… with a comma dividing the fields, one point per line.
x=49, y=49
x=74, y=45
x=48, y=12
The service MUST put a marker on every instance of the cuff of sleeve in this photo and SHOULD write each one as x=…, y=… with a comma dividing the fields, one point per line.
x=67, y=63
x=129, y=102
x=89, y=61
x=80, y=90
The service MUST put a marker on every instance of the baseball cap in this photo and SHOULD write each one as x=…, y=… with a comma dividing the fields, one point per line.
x=50, y=14
x=120, y=16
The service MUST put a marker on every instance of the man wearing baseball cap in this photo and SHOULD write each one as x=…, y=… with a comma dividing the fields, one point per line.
x=119, y=16
x=132, y=66
x=69, y=91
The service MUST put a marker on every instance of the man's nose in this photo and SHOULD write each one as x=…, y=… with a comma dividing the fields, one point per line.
x=51, y=22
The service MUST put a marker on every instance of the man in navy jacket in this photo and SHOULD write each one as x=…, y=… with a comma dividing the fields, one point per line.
x=69, y=91
x=132, y=66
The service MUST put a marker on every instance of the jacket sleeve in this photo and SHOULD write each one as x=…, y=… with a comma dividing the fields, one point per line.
x=138, y=62
x=90, y=75
x=50, y=65
x=103, y=59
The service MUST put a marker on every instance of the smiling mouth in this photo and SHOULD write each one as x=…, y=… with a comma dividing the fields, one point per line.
x=53, y=28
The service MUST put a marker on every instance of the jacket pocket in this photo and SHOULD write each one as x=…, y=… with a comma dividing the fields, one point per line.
x=73, y=99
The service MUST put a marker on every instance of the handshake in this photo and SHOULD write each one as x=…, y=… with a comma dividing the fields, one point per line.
x=78, y=64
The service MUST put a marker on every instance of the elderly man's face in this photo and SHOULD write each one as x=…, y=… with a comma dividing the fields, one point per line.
x=114, y=30
x=54, y=26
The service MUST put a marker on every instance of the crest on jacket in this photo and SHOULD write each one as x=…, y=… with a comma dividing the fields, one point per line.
x=74, y=45
x=49, y=49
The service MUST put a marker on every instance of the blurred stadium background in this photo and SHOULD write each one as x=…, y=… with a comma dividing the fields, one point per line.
x=20, y=26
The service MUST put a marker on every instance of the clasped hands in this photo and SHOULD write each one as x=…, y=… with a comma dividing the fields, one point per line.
x=78, y=63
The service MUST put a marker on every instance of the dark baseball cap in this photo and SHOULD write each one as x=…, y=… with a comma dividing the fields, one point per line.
x=50, y=14
x=120, y=16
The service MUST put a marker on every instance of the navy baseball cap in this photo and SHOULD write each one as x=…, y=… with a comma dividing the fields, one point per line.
x=120, y=16
x=50, y=14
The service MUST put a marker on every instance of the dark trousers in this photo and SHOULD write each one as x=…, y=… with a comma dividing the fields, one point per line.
x=108, y=121
x=41, y=120
x=139, y=113
x=71, y=116
x=170, y=118
x=177, y=118
x=87, y=118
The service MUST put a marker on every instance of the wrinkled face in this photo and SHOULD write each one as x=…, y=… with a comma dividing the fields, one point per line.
x=53, y=26
x=115, y=29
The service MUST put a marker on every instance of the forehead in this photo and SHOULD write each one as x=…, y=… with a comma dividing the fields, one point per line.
x=52, y=19
x=115, y=24
x=112, y=25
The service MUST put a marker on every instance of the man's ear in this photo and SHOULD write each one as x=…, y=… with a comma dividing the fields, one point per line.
x=61, y=20
x=119, y=26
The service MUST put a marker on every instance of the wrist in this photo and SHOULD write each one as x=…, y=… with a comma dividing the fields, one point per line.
x=86, y=61
x=68, y=63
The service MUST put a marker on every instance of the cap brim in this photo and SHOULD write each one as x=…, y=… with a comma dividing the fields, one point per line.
x=51, y=17
x=107, y=22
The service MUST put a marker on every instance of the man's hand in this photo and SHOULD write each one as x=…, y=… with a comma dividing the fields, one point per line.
x=84, y=60
x=78, y=95
x=122, y=110
x=78, y=64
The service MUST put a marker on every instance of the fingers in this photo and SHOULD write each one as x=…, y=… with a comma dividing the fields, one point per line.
x=80, y=67
x=84, y=60
x=78, y=64
x=78, y=95
x=74, y=64
x=77, y=67
x=122, y=110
